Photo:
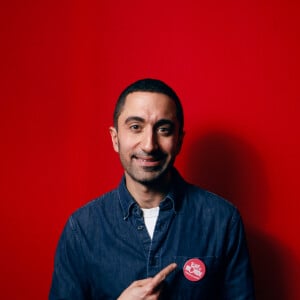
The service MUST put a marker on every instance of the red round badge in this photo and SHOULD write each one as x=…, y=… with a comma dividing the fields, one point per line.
x=194, y=269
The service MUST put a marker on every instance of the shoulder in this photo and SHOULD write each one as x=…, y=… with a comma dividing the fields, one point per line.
x=94, y=209
x=206, y=197
x=193, y=197
x=209, y=204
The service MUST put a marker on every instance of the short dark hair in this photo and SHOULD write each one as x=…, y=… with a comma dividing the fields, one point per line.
x=153, y=86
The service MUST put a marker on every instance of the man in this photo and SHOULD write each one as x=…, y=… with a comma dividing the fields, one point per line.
x=155, y=236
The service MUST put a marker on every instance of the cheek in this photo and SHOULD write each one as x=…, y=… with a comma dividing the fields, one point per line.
x=170, y=146
x=126, y=145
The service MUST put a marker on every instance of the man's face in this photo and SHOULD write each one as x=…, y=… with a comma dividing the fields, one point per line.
x=147, y=138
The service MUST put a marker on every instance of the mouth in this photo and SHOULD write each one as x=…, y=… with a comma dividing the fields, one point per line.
x=148, y=161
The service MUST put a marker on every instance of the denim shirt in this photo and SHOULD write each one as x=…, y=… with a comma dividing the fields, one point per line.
x=105, y=246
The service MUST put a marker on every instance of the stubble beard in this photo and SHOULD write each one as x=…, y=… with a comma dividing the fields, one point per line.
x=148, y=176
x=154, y=176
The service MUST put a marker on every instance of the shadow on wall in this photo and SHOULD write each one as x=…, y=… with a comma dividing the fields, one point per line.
x=228, y=166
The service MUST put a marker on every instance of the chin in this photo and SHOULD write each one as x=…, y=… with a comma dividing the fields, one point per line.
x=152, y=177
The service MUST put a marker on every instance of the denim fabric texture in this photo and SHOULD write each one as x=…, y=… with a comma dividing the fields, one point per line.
x=105, y=246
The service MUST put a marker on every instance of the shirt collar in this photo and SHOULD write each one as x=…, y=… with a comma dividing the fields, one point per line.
x=176, y=193
x=172, y=200
x=126, y=200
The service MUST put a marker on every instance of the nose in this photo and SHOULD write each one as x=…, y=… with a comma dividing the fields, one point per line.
x=149, y=141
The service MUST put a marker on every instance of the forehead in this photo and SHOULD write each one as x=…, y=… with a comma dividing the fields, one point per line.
x=149, y=105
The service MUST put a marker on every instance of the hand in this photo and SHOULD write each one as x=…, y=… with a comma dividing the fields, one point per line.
x=149, y=288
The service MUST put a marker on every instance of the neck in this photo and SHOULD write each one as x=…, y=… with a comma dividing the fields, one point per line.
x=148, y=195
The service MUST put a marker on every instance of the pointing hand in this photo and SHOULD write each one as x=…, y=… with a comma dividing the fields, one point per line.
x=149, y=288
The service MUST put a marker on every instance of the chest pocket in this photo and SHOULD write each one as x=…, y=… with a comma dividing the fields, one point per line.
x=194, y=278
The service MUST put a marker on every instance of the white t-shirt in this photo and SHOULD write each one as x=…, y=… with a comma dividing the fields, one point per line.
x=150, y=218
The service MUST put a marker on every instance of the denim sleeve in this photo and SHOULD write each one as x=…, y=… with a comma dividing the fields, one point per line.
x=238, y=283
x=69, y=277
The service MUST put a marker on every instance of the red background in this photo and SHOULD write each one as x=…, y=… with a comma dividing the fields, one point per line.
x=235, y=64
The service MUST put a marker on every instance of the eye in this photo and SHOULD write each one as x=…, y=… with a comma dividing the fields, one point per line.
x=135, y=127
x=165, y=130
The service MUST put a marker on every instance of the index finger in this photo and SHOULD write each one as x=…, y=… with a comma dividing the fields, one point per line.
x=160, y=276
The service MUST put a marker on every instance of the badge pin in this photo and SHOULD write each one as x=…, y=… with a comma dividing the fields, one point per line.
x=194, y=269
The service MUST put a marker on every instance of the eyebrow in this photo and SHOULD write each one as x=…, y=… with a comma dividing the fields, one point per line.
x=134, y=118
x=142, y=120
x=164, y=122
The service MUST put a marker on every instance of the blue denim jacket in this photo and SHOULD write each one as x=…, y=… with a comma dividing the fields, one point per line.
x=105, y=246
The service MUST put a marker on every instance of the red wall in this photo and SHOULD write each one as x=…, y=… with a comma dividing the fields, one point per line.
x=235, y=64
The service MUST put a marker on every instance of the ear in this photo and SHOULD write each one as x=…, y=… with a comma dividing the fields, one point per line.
x=114, y=138
x=180, y=141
